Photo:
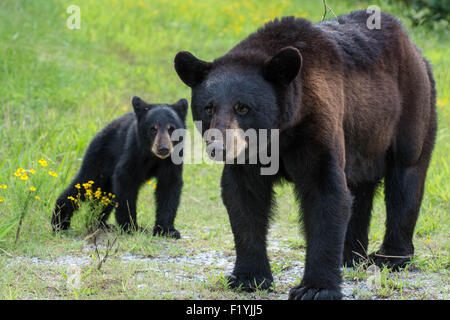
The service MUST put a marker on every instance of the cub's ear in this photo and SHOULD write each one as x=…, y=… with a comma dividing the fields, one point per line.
x=190, y=69
x=181, y=107
x=139, y=106
x=283, y=67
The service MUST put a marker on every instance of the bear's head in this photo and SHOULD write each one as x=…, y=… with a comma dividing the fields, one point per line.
x=157, y=122
x=235, y=92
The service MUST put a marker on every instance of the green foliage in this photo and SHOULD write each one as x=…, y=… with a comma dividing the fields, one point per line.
x=428, y=12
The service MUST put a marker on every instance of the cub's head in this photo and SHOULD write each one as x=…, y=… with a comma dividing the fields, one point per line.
x=239, y=92
x=157, y=122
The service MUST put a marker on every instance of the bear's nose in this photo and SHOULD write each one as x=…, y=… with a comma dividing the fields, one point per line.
x=163, y=151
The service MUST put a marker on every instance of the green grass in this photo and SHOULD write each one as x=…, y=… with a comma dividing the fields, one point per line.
x=60, y=86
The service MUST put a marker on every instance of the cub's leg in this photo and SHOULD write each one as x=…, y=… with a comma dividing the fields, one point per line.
x=248, y=199
x=126, y=191
x=65, y=207
x=168, y=193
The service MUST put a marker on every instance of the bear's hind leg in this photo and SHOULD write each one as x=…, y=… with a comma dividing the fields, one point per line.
x=404, y=186
x=64, y=208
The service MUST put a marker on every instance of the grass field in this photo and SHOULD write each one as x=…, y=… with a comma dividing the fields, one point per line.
x=58, y=87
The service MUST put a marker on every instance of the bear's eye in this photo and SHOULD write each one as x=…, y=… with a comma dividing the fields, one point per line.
x=153, y=130
x=241, y=109
x=209, y=110
x=170, y=129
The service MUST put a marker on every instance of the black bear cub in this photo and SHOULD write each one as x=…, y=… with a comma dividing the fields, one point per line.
x=123, y=156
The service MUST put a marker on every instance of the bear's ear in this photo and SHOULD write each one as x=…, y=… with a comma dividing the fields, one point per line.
x=139, y=106
x=181, y=107
x=190, y=69
x=283, y=67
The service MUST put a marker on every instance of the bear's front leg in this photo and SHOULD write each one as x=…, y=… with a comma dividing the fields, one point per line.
x=126, y=191
x=248, y=199
x=326, y=205
x=168, y=193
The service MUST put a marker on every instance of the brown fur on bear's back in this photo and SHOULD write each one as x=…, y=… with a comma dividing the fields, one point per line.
x=362, y=91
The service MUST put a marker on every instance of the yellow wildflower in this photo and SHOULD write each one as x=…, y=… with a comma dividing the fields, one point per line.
x=32, y=171
x=105, y=200
x=1, y=199
x=37, y=197
x=24, y=177
x=53, y=174
x=88, y=193
x=149, y=182
x=428, y=239
x=32, y=188
x=87, y=186
x=72, y=198
x=154, y=186
x=3, y=186
x=19, y=172
x=78, y=186
x=43, y=162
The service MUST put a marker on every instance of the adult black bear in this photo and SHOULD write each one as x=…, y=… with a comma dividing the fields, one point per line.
x=353, y=106
x=121, y=157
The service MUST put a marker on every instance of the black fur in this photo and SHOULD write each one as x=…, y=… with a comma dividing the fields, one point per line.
x=120, y=159
x=353, y=106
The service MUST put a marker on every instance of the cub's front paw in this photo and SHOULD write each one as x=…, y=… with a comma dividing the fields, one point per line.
x=58, y=227
x=167, y=232
x=308, y=293
x=250, y=283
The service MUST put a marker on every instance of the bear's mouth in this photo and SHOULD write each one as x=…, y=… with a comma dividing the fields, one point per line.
x=162, y=156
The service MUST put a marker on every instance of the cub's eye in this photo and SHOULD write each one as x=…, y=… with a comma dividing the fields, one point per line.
x=209, y=110
x=170, y=129
x=241, y=109
x=153, y=130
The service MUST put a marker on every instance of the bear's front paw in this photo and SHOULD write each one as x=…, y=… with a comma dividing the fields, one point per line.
x=249, y=283
x=167, y=232
x=307, y=293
